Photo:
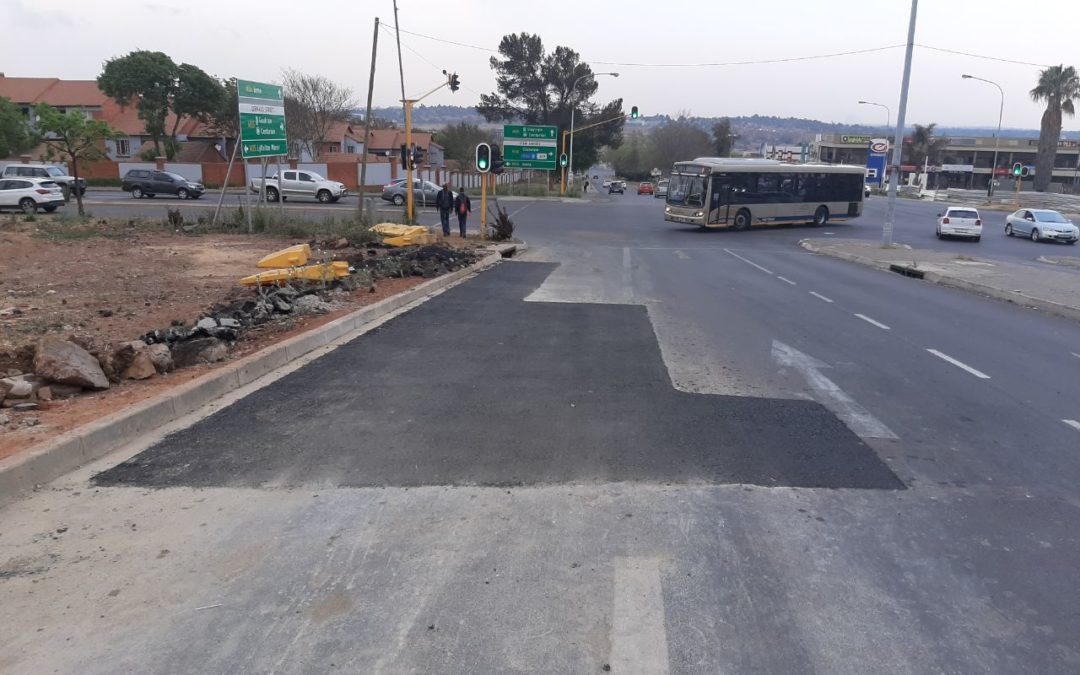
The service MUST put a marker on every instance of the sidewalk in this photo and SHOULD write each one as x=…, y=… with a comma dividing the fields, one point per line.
x=1052, y=291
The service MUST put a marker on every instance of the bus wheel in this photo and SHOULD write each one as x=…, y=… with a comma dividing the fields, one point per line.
x=821, y=216
x=742, y=220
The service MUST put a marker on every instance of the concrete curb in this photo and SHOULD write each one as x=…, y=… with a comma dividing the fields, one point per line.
x=67, y=452
x=1048, y=306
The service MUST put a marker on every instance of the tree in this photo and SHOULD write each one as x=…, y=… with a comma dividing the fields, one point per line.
x=313, y=104
x=723, y=138
x=1057, y=86
x=925, y=146
x=161, y=87
x=459, y=142
x=537, y=87
x=225, y=119
x=632, y=159
x=679, y=140
x=15, y=133
x=72, y=138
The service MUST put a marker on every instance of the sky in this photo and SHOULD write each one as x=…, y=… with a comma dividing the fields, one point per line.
x=71, y=38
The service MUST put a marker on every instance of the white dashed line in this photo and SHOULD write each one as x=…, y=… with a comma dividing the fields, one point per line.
x=872, y=322
x=748, y=262
x=1072, y=423
x=1075, y=354
x=785, y=280
x=959, y=364
x=638, y=638
x=819, y=296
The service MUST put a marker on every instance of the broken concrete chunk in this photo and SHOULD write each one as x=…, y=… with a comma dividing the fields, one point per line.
x=310, y=304
x=22, y=386
x=228, y=323
x=206, y=323
x=280, y=303
x=199, y=350
x=65, y=362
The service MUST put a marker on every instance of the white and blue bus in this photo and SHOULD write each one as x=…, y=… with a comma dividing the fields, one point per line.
x=740, y=193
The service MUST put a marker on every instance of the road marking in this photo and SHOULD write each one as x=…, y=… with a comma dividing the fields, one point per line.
x=521, y=209
x=681, y=256
x=1075, y=354
x=1072, y=423
x=819, y=296
x=638, y=632
x=959, y=364
x=872, y=322
x=856, y=417
x=748, y=262
x=785, y=280
x=627, y=279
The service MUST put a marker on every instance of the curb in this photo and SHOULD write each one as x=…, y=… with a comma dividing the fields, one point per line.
x=67, y=452
x=1048, y=306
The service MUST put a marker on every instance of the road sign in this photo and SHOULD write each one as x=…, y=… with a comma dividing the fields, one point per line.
x=527, y=146
x=875, y=160
x=262, y=119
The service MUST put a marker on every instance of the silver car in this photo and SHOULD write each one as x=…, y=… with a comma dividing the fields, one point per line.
x=423, y=192
x=1041, y=224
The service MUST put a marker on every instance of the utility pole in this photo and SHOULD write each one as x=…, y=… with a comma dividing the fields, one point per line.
x=898, y=149
x=367, y=119
x=401, y=67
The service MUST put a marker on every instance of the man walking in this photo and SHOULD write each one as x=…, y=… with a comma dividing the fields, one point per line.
x=444, y=201
x=462, y=207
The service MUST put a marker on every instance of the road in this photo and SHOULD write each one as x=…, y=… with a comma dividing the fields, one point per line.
x=642, y=447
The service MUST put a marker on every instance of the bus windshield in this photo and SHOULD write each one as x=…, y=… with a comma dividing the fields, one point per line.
x=688, y=190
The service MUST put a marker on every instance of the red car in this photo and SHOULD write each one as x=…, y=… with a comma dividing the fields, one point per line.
x=645, y=189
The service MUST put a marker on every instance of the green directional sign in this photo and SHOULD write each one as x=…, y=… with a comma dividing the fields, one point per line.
x=262, y=119
x=528, y=146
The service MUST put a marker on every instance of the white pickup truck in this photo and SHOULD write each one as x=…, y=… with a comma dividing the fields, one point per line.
x=301, y=184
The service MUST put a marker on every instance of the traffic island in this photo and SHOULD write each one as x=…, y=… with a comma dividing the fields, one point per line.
x=1054, y=291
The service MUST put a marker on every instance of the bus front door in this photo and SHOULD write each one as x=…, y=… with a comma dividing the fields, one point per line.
x=720, y=200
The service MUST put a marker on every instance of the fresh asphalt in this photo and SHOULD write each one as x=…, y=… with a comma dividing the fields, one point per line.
x=643, y=448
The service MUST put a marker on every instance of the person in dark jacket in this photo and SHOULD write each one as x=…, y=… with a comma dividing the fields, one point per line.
x=444, y=201
x=462, y=207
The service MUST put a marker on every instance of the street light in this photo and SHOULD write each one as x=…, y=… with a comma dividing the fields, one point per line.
x=888, y=113
x=997, y=137
x=573, y=106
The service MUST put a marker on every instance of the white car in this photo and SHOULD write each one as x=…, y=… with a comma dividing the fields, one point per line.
x=30, y=194
x=1041, y=224
x=661, y=188
x=302, y=184
x=959, y=221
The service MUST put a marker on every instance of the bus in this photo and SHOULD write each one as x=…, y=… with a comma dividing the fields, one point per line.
x=719, y=192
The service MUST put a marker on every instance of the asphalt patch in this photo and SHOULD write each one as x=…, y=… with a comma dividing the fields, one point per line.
x=478, y=387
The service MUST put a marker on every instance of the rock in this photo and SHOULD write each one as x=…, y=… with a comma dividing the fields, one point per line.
x=280, y=303
x=123, y=356
x=65, y=362
x=287, y=292
x=23, y=386
x=161, y=357
x=178, y=322
x=26, y=406
x=105, y=313
x=5, y=386
x=5, y=419
x=141, y=367
x=45, y=394
x=228, y=323
x=30, y=421
x=206, y=323
x=341, y=243
x=261, y=313
x=227, y=334
x=14, y=372
x=64, y=390
x=310, y=304
x=199, y=350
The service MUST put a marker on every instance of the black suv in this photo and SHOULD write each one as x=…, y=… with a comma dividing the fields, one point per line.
x=617, y=186
x=147, y=183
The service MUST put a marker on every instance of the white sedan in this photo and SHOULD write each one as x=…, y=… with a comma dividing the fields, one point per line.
x=959, y=222
x=1040, y=224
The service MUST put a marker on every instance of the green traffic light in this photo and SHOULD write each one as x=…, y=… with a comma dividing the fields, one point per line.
x=634, y=112
x=482, y=164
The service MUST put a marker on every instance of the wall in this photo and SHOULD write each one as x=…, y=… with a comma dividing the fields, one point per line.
x=214, y=174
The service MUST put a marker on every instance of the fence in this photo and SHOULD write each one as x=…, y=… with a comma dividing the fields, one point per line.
x=1032, y=200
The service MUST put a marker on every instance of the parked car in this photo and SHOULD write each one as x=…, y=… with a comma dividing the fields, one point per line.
x=606, y=184
x=53, y=173
x=1041, y=224
x=423, y=193
x=661, y=188
x=959, y=222
x=151, y=182
x=616, y=186
x=645, y=188
x=299, y=184
x=30, y=194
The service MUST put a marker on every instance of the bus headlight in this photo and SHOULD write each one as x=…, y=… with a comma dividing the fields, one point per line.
x=697, y=214
x=667, y=209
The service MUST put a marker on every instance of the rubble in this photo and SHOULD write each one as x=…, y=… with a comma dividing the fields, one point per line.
x=311, y=304
x=199, y=350
x=161, y=357
x=61, y=361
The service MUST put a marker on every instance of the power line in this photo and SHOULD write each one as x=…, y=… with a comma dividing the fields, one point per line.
x=451, y=42
x=747, y=63
x=981, y=56
x=425, y=59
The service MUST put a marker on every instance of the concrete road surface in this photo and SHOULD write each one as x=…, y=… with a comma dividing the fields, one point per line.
x=641, y=449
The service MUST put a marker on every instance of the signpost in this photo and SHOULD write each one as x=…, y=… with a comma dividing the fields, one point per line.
x=262, y=119
x=528, y=146
x=876, y=157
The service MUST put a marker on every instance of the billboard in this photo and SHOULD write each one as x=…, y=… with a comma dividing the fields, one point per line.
x=877, y=160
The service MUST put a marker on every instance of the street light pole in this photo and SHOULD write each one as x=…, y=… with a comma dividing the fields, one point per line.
x=888, y=113
x=573, y=107
x=898, y=146
x=997, y=138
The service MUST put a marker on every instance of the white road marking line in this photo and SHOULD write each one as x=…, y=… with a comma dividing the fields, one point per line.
x=785, y=280
x=819, y=296
x=627, y=279
x=856, y=417
x=959, y=364
x=748, y=262
x=1072, y=423
x=521, y=209
x=638, y=631
x=1075, y=354
x=872, y=322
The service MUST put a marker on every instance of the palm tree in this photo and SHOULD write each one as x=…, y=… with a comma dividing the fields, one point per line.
x=925, y=146
x=1058, y=86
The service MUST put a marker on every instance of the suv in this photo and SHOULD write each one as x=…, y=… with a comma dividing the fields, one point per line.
x=149, y=182
x=30, y=194
x=53, y=173
x=616, y=186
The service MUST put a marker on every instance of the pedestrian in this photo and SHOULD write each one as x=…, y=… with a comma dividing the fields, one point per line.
x=463, y=207
x=444, y=201
x=585, y=187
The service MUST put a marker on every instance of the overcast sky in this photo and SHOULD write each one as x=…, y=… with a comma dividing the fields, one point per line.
x=71, y=38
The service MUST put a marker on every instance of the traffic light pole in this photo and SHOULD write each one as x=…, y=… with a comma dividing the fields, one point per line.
x=409, y=103
x=565, y=133
x=483, y=205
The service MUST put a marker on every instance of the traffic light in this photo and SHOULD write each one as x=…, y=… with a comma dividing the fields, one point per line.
x=634, y=113
x=483, y=157
x=404, y=156
x=563, y=161
x=455, y=83
x=496, y=159
x=417, y=156
x=1018, y=170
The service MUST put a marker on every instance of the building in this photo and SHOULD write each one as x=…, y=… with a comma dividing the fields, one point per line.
x=388, y=142
x=965, y=161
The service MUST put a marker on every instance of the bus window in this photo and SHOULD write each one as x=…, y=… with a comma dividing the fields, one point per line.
x=689, y=190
